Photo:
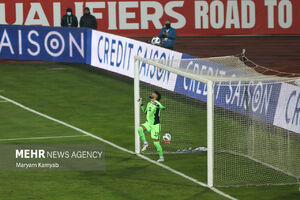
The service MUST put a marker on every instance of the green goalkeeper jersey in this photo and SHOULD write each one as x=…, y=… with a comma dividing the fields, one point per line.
x=153, y=111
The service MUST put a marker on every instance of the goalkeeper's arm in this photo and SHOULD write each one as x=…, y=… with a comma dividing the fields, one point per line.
x=159, y=105
x=162, y=107
x=143, y=107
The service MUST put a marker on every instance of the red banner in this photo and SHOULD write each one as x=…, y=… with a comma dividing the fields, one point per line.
x=145, y=18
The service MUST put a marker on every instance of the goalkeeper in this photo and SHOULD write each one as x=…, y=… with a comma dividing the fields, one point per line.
x=152, y=123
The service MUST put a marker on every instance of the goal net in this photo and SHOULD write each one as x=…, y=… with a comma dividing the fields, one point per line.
x=220, y=113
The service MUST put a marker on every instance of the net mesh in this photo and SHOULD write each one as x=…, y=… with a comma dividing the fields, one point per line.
x=248, y=149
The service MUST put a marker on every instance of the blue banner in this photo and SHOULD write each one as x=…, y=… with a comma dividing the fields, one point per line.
x=44, y=43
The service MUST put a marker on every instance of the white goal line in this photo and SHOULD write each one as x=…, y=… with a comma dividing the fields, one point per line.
x=42, y=138
x=120, y=148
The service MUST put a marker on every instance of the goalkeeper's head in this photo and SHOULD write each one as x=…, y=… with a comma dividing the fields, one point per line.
x=155, y=96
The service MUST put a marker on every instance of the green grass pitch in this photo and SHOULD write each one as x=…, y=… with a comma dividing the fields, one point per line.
x=101, y=103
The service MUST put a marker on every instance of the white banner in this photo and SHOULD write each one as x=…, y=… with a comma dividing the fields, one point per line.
x=115, y=53
x=287, y=115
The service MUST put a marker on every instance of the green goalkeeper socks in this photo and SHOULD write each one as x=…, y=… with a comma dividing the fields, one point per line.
x=141, y=133
x=158, y=148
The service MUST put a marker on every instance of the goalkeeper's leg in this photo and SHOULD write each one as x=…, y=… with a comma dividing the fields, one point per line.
x=155, y=131
x=141, y=130
x=142, y=134
x=159, y=150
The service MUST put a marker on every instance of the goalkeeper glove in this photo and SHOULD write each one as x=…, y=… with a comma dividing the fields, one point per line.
x=140, y=100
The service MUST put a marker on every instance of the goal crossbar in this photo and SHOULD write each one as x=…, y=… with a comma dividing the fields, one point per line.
x=207, y=78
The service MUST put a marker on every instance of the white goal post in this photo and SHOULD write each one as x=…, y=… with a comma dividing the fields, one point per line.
x=210, y=107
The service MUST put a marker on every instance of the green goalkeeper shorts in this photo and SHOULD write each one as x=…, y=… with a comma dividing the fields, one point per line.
x=153, y=129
